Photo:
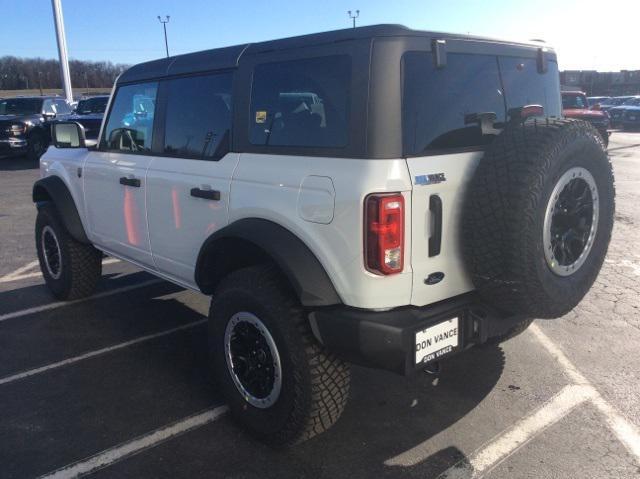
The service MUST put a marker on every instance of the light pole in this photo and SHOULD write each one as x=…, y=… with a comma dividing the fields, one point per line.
x=62, y=49
x=40, y=82
x=353, y=17
x=164, y=25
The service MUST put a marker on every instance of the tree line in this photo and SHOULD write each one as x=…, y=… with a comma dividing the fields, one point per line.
x=25, y=73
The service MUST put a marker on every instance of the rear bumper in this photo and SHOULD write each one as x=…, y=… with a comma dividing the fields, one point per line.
x=386, y=340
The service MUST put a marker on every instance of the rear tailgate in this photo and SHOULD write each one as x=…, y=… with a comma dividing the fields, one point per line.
x=445, y=178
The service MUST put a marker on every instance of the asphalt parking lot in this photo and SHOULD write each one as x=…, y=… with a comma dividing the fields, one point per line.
x=117, y=385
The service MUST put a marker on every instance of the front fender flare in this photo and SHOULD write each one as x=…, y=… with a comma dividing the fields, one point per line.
x=305, y=273
x=53, y=189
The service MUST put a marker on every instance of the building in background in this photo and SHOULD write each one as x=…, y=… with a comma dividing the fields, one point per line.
x=594, y=83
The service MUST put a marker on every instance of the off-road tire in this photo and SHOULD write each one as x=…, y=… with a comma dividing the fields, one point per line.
x=36, y=146
x=80, y=264
x=504, y=214
x=315, y=383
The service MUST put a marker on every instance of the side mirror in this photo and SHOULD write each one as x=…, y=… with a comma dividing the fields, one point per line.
x=49, y=115
x=68, y=134
x=596, y=107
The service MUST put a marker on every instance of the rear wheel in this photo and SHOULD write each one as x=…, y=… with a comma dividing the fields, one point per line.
x=71, y=269
x=279, y=382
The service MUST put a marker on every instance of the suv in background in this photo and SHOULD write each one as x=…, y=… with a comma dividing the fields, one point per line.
x=89, y=113
x=379, y=196
x=25, y=122
x=575, y=105
x=617, y=112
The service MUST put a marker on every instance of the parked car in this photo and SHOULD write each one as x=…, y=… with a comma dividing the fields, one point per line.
x=631, y=117
x=89, y=113
x=575, y=105
x=617, y=112
x=436, y=201
x=25, y=123
x=596, y=101
x=613, y=102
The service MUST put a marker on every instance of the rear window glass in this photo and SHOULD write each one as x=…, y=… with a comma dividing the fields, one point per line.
x=525, y=86
x=198, y=117
x=301, y=103
x=439, y=104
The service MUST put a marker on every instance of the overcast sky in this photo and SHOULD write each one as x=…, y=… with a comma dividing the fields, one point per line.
x=587, y=34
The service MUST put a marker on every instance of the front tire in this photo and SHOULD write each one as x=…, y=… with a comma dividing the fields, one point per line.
x=36, y=146
x=280, y=383
x=71, y=269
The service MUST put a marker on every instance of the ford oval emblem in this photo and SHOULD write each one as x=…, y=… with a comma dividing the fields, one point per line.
x=434, y=278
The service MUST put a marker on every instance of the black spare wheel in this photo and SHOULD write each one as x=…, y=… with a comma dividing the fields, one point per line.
x=538, y=217
x=279, y=382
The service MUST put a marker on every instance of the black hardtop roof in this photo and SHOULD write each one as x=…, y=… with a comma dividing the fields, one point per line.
x=229, y=57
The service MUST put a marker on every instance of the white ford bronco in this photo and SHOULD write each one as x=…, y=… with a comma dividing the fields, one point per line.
x=378, y=196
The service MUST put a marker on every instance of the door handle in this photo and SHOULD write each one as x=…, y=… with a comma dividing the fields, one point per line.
x=435, y=240
x=206, y=194
x=135, y=182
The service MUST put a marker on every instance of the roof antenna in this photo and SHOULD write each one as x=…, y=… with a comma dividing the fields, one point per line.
x=353, y=17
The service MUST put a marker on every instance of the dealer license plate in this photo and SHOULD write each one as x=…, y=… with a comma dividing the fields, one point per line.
x=437, y=341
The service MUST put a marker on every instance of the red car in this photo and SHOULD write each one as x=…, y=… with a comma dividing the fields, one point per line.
x=575, y=105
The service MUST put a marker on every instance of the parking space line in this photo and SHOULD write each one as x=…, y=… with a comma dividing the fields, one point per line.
x=97, y=352
x=117, y=453
x=626, y=432
x=59, y=304
x=9, y=277
x=508, y=442
x=20, y=274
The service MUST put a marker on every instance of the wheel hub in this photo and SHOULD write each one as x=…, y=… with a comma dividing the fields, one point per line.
x=253, y=360
x=571, y=221
x=51, y=252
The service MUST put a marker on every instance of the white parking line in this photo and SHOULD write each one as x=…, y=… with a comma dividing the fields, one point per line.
x=627, y=433
x=59, y=304
x=508, y=442
x=20, y=273
x=97, y=352
x=117, y=453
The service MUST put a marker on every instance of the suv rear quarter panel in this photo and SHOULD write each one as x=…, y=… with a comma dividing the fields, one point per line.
x=269, y=187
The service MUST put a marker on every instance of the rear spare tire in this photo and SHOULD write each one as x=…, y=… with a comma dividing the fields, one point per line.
x=538, y=217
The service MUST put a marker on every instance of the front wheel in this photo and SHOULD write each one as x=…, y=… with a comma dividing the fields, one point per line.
x=279, y=382
x=71, y=269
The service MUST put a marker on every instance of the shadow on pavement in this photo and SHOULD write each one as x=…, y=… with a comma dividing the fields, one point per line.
x=382, y=433
x=16, y=163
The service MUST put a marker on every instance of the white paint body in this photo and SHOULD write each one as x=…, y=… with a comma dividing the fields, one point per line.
x=161, y=227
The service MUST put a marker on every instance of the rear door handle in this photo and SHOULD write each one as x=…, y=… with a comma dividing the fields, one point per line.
x=435, y=240
x=135, y=182
x=206, y=194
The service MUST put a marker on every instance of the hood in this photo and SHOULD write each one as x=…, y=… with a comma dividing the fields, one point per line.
x=87, y=116
x=581, y=113
x=8, y=118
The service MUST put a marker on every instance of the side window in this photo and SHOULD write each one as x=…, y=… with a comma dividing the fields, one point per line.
x=198, y=116
x=523, y=84
x=440, y=106
x=47, y=107
x=62, y=107
x=130, y=124
x=301, y=103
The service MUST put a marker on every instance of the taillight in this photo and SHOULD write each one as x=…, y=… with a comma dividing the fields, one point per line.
x=384, y=233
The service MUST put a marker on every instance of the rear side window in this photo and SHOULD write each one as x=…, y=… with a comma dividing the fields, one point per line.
x=130, y=124
x=523, y=84
x=301, y=103
x=439, y=104
x=198, y=116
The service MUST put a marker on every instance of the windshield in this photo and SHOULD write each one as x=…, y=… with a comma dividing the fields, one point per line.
x=20, y=106
x=92, y=105
x=574, y=102
x=632, y=101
